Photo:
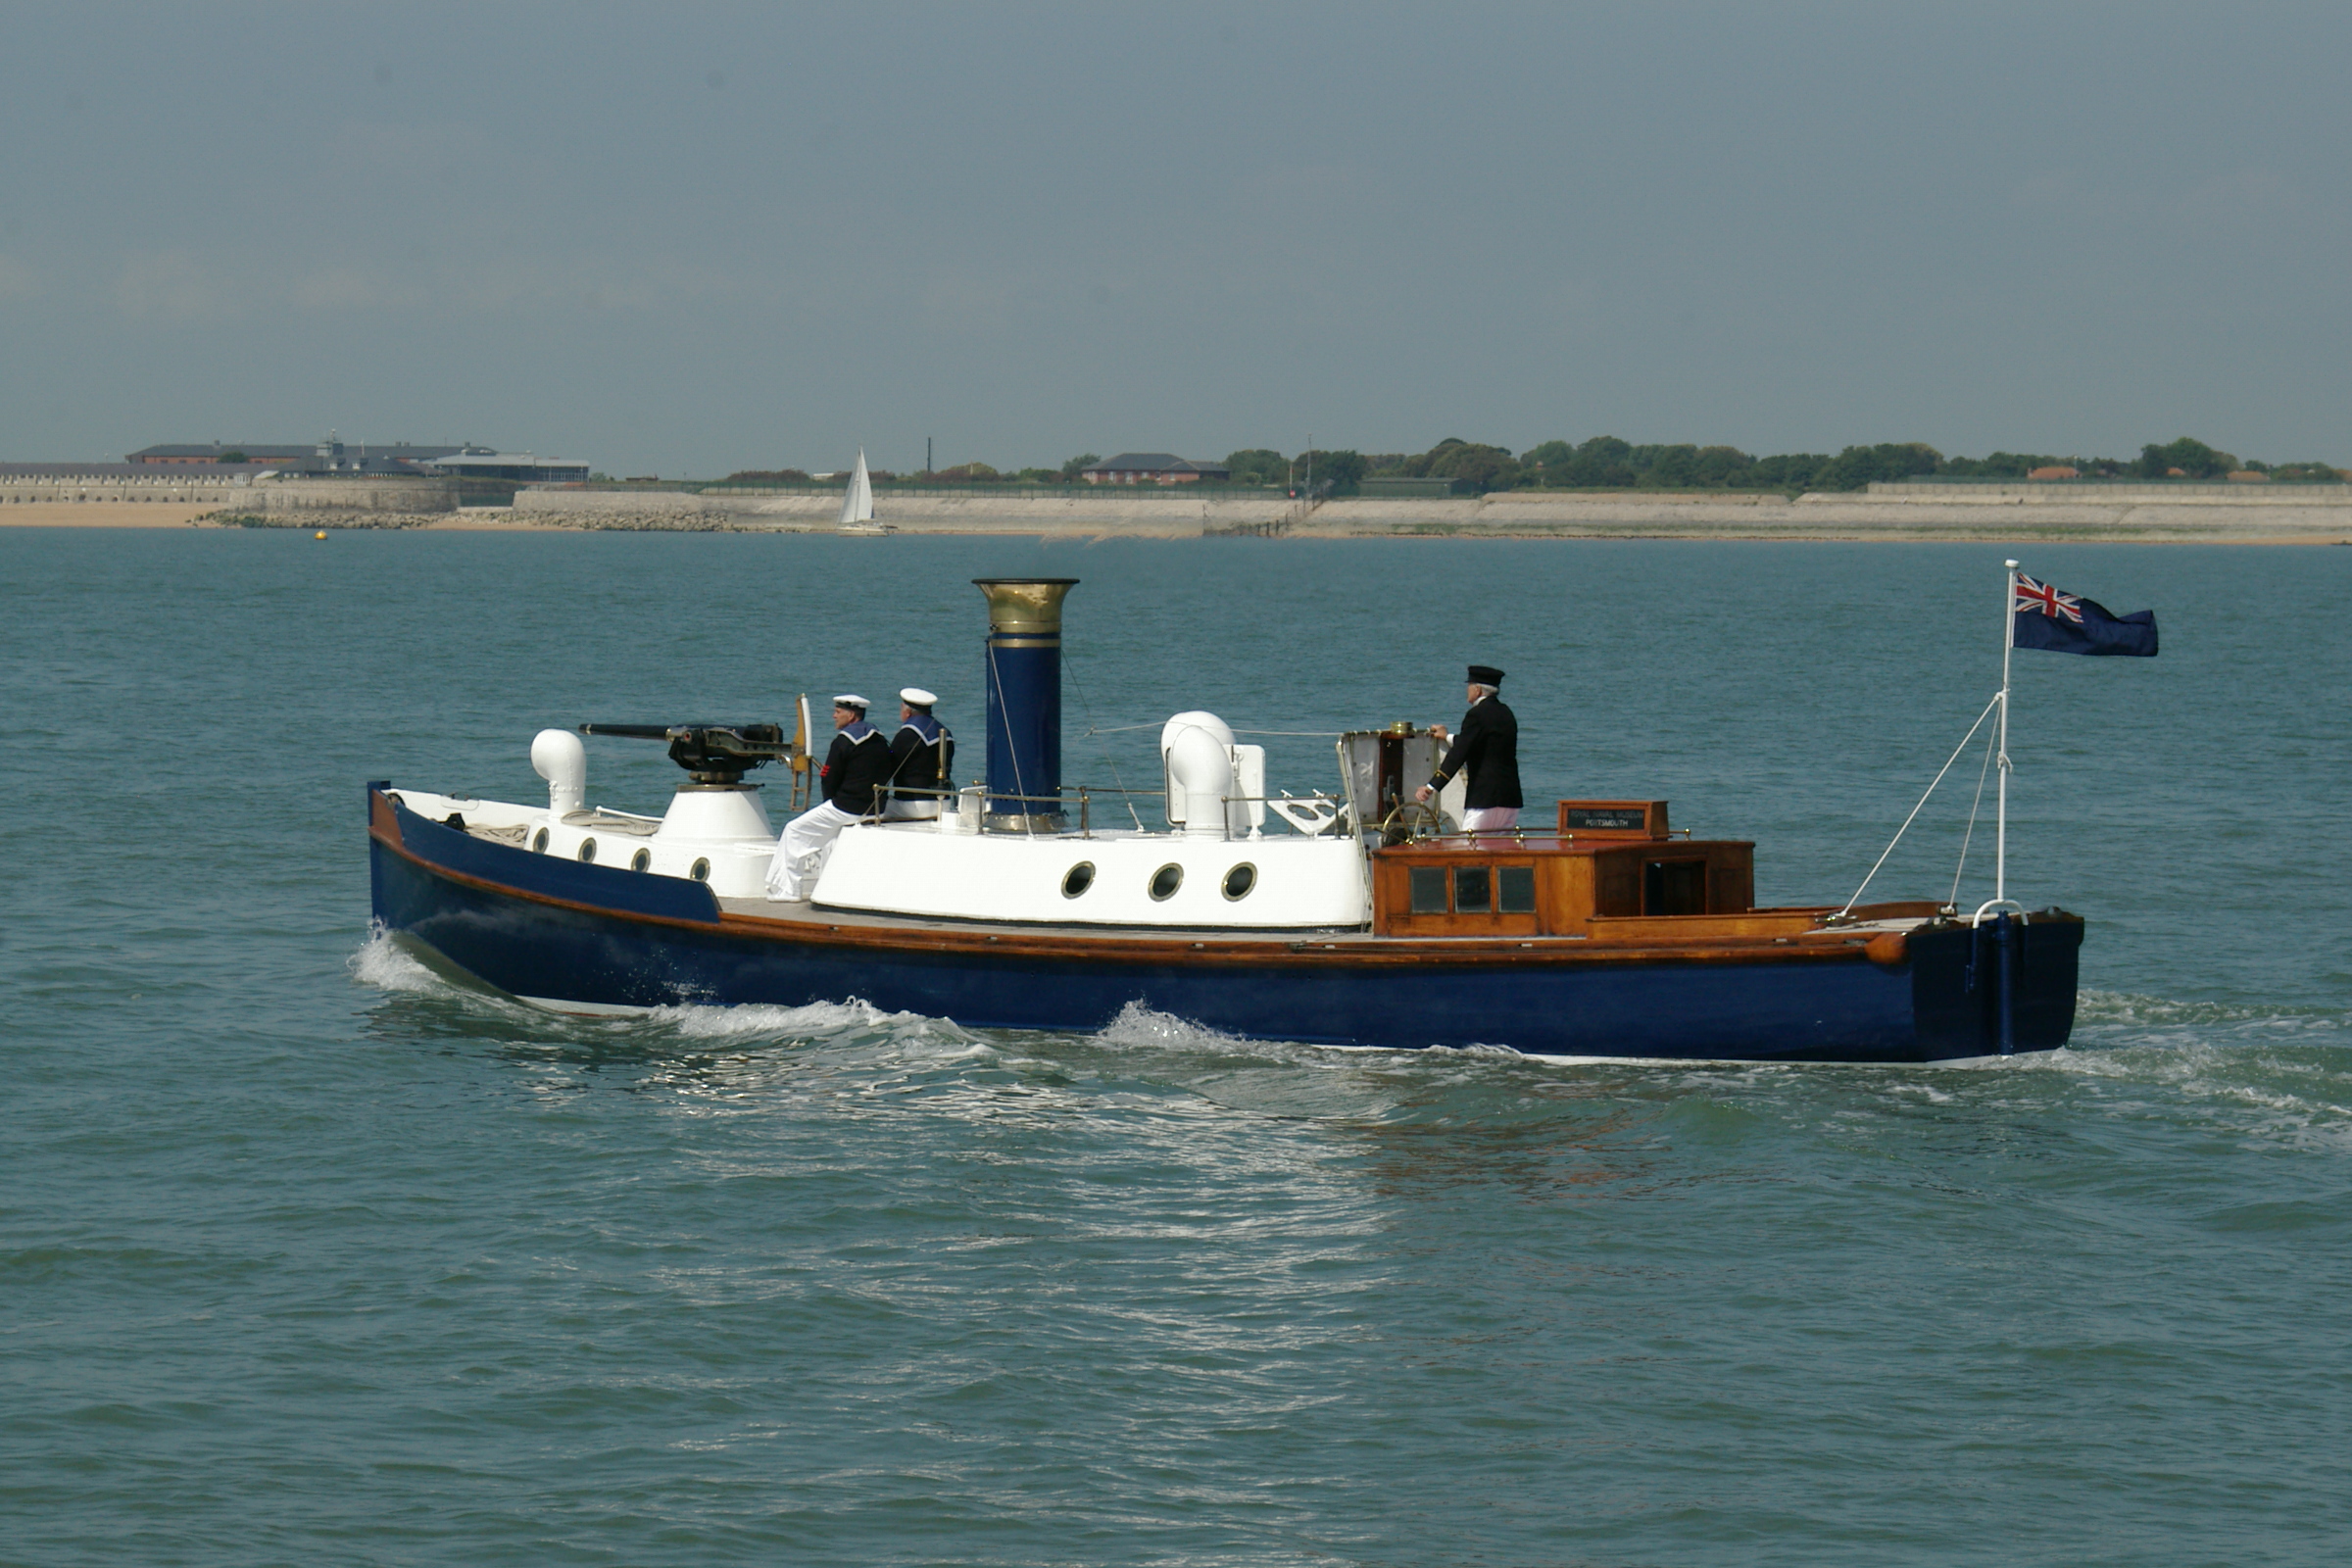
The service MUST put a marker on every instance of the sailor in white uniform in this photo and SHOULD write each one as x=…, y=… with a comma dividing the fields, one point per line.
x=855, y=781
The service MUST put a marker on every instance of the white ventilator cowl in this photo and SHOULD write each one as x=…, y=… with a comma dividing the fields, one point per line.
x=1195, y=753
x=1200, y=774
x=559, y=756
x=1194, y=718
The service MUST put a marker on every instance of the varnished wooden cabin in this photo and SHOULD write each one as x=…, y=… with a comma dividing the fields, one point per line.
x=1607, y=869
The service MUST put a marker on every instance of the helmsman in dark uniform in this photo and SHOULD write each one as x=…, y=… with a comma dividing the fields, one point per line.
x=1488, y=746
x=854, y=782
x=922, y=759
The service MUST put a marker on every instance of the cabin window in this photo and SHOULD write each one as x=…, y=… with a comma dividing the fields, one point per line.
x=1239, y=880
x=1674, y=887
x=700, y=871
x=1515, y=889
x=641, y=860
x=1429, y=889
x=588, y=850
x=539, y=844
x=1081, y=878
x=1165, y=881
x=1473, y=890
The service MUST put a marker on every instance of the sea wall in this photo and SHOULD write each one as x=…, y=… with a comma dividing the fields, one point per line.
x=2181, y=513
x=124, y=490
x=240, y=495
x=2021, y=518
x=391, y=495
x=1085, y=513
x=2243, y=513
x=2104, y=493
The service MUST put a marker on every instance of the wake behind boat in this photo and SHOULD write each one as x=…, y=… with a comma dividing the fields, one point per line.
x=1352, y=917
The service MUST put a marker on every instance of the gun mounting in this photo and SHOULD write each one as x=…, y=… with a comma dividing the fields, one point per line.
x=710, y=754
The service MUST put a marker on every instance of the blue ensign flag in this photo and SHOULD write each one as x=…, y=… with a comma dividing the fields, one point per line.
x=2069, y=623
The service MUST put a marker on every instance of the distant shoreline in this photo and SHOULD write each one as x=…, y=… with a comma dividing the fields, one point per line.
x=1813, y=518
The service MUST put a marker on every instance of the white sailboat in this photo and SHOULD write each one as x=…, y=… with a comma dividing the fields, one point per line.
x=858, y=503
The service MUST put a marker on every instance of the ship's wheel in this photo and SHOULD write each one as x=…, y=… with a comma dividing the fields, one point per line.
x=1408, y=820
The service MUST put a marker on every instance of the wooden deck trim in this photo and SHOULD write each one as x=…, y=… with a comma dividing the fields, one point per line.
x=1350, y=951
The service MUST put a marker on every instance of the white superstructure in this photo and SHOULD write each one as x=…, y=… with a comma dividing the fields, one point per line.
x=1217, y=866
x=1117, y=879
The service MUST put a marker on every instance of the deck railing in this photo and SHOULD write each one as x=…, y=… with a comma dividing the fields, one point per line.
x=1058, y=803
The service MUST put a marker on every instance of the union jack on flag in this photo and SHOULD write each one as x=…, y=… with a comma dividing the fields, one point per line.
x=2042, y=599
x=2041, y=616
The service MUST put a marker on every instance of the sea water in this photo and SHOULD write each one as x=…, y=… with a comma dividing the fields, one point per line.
x=308, y=1255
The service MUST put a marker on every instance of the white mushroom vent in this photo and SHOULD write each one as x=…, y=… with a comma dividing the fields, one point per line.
x=559, y=758
x=1215, y=788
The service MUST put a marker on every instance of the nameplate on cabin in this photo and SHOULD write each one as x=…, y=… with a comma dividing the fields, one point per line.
x=1635, y=818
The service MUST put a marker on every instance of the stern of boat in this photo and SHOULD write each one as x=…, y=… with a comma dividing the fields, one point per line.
x=1995, y=987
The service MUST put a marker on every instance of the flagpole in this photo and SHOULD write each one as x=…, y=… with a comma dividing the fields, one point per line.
x=2000, y=855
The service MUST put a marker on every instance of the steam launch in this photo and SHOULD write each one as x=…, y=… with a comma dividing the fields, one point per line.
x=1352, y=915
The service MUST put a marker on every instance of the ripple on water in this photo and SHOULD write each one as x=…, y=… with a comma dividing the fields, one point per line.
x=304, y=1262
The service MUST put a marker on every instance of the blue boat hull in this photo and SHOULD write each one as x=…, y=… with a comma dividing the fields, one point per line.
x=596, y=937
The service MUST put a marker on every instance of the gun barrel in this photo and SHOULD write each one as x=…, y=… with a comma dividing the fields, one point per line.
x=714, y=754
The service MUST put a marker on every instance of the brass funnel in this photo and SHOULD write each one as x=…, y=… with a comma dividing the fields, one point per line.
x=1025, y=607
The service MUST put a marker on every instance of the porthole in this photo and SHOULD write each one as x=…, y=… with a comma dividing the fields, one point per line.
x=588, y=850
x=539, y=844
x=1165, y=881
x=1239, y=880
x=1081, y=878
x=700, y=871
x=641, y=860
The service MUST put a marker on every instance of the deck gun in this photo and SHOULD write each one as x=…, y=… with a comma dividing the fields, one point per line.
x=712, y=753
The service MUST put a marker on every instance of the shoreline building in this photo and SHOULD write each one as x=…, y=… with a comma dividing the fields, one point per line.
x=29, y=482
x=1154, y=467
x=329, y=455
x=486, y=463
x=335, y=456
x=185, y=455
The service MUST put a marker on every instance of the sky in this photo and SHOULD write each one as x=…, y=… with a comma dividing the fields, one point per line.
x=686, y=239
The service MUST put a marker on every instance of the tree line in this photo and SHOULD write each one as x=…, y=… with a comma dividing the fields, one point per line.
x=1606, y=463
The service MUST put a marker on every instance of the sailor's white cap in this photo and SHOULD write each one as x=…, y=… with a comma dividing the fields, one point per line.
x=917, y=697
x=852, y=700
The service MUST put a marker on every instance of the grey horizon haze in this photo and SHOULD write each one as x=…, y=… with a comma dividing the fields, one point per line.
x=695, y=238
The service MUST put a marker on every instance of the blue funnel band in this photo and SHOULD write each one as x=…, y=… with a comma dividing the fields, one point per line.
x=1024, y=724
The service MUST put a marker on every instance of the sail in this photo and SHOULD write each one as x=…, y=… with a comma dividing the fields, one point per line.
x=857, y=504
